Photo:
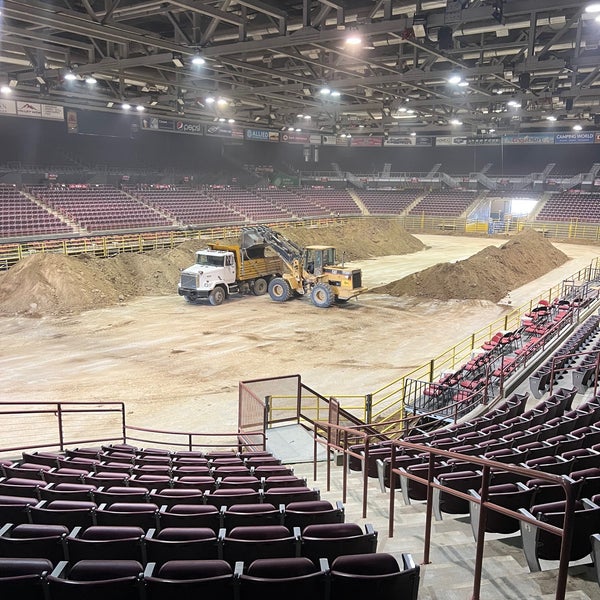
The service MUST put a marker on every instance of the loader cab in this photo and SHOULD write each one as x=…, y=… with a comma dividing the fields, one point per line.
x=318, y=257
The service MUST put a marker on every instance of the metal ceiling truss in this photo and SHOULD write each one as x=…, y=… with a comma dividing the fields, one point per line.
x=269, y=59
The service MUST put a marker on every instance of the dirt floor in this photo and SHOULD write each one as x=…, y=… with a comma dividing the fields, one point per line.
x=179, y=365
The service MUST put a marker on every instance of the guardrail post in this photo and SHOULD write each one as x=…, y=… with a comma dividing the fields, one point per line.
x=61, y=440
x=267, y=410
x=429, y=509
x=392, y=491
x=368, y=407
x=485, y=484
x=345, y=467
x=365, y=479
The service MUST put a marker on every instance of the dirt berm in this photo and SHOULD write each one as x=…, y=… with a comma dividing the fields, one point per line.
x=54, y=284
x=488, y=275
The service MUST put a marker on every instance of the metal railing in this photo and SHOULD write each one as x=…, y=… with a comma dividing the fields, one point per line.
x=341, y=439
x=56, y=425
x=193, y=440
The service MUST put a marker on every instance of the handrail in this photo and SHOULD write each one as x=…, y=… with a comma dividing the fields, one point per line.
x=566, y=533
x=190, y=445
x=60, y=410
x=359, y=437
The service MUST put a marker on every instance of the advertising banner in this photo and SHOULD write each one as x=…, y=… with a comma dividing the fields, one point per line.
x=423, y=140
x=72, y=122
x=342, y=141
x=262, y=135
x=400, y=140
x=29, y=109
x=291, y=137
x=597, y=138
x=483, y=141
x=578, y=137
x=228, y=131
x=328, y=140
x=451, y=140
x=8, y=107
x=366, y=142
x=520, y=139
x=54, y=113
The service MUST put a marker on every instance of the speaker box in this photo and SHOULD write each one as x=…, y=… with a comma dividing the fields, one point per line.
x=524, y=81
x=569, y=103
x=445, y=41
x=596, y=119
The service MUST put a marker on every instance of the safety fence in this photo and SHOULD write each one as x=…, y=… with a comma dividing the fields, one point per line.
x=105, y=246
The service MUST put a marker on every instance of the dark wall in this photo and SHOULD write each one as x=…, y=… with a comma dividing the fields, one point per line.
x=48, y=143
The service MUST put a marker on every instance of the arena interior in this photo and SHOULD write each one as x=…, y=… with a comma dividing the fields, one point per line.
x=415, y=419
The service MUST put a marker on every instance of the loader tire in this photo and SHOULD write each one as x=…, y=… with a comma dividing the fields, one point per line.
x=279, y=289
x=322, y=295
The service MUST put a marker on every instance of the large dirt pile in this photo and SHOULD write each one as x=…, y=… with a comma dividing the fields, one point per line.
x=53, y=284
x=360, y=239
x=488, y=275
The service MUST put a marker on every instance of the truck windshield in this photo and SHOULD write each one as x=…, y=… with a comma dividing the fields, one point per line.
x=209, y=260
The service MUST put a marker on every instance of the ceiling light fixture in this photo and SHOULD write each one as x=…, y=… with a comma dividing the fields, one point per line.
x=454, y=79
x=177, y=59
x=593, y=8
x=325, y=91
x=210, y=100
x=231, y=120
x=91, y=80
x=70, y=76
x=551, y=118
x=140, y=108
x=335, y=94
x=577, y=127
x=125, y=106
x=198, y=58
x=5, y=89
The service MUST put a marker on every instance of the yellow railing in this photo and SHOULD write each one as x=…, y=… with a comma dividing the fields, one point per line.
x=110, y=245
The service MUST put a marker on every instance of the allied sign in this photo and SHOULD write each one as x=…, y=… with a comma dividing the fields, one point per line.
x=262, y=135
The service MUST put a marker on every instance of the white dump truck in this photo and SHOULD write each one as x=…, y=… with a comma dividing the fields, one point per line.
x=224, y=269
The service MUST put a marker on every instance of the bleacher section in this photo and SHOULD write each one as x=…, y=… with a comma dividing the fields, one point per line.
x=336, y=201
x=179, y=522
x=20, y=216
x=100, y=208
x=388, y=202
x=572, y=205
x=187, y=206
x=444, y=204
x=247, y=203
x=292, y=202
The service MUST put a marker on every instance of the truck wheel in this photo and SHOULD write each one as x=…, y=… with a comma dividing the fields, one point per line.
x=322, y=295
x=217, y=296
x=190, y=298
x=260, y=287
x=279, y=289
